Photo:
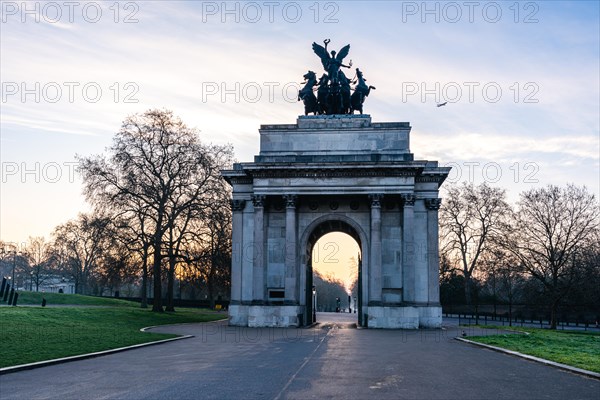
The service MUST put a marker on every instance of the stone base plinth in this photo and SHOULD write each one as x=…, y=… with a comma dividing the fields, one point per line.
x=408, y=317
x=430, y=317
x=264, y=316
x=238, y=315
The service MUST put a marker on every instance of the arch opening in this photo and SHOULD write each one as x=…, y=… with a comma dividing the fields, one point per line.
x=334, y=247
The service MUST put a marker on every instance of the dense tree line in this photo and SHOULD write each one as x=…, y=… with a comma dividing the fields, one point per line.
x=543, y=251
x=160, y=214
x=329, y=289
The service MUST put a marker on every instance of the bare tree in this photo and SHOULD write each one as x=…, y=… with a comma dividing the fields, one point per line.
x=472, y=218
x=38, y=254
x=14, y=263
x=116, y=267
x=80, y=244
x=134, y=230
x=504, y=278
x=552, y=228
x=209, y=253
x=157, y=165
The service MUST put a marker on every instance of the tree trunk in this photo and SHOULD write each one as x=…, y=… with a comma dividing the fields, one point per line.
x=211, y=293
x=553, y=314
x=144, y=290
x=156, y=271
x=210, y=282
x=171, y=284
x=468, y=291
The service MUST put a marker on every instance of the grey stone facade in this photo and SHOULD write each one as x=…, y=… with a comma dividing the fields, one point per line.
x=335, y=173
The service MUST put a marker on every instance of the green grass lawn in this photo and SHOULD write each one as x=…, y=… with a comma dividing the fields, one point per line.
x=29, y=334
x=575, y=348
x=60, y=298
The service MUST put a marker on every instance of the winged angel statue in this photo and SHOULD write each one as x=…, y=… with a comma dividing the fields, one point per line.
x=333, y=92
x=333, y=62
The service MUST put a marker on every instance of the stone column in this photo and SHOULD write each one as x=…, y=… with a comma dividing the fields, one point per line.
x=259, y=256
x=408, y=249
x=433, y=205
x=375, y=253
x=237, y=239
x=291, y=265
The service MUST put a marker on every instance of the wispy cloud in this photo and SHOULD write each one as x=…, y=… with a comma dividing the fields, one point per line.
x=174, y=53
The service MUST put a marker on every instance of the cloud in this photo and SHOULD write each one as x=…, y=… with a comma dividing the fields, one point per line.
x=171, y=55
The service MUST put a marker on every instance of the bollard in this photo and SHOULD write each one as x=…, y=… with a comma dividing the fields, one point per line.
x=14, y=302
x=3, y=287
x=6, y=292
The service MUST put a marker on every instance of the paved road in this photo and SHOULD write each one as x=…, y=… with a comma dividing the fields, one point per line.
x=330, y=361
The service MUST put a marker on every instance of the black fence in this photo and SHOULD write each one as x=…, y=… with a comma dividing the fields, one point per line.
x=568, y=317
x=467, y=319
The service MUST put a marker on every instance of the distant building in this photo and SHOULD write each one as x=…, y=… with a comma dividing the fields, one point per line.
x=54, y=284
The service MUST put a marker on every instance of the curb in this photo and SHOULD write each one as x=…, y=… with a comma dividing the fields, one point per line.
x=39, y=364
x=580, y=371
x=145, y=329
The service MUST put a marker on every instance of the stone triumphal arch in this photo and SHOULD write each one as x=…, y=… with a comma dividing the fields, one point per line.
x=335, y=173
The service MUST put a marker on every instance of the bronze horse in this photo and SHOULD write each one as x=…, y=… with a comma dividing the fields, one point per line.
x=306, y=94
x=361, y=91
x=323, y=93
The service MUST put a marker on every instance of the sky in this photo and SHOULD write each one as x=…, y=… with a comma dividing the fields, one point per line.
x=521, y=82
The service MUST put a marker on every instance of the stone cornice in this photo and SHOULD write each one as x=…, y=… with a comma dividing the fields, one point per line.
x=331, y=173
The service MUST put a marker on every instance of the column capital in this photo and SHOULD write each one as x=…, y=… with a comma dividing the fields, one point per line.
x=290, y=200
x=408, y=199
x=258, y=200
x=237, y=204
x=433, y=204
x=376, y=200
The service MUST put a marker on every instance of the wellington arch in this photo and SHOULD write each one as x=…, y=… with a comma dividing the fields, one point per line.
x=335, y=173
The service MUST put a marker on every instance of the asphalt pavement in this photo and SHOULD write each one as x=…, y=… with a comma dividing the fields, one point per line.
x=332, y=360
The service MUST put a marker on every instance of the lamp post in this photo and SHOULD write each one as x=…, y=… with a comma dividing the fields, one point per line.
x=314, y=291
x=31, y=282
x=14, y=265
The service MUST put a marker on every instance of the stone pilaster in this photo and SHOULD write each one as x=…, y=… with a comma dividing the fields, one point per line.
x=237, y=238
x=408, y=248
x=259, y=284
x=291, y=266
x=375, y=268
x=433, y=205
